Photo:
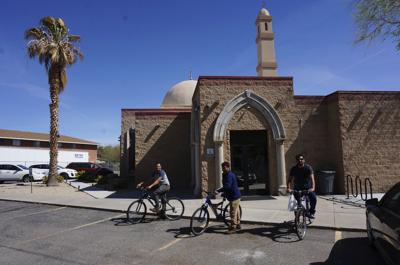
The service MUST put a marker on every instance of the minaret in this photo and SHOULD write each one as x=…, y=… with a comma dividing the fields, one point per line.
x=265, y=45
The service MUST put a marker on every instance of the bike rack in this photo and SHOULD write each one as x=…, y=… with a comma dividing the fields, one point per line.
x=358, y=188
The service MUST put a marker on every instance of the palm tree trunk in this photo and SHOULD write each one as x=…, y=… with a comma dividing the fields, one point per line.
x=54, y=82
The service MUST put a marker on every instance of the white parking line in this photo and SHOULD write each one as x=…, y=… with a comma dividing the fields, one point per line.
x=338, y=235
x=45, y=211
x=169, y=244
x=70, y=229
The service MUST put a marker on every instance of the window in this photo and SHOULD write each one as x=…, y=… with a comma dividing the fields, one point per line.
x=16, y=142
x=3, y=167
x=266, y=26
x=36, y=144
x=11, y=167
x=258, y=28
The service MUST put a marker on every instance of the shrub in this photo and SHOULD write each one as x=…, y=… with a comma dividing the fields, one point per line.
x=101, y=180
x=86, y=176
x=59, y=179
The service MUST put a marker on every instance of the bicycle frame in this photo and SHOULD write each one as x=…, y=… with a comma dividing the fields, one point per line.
x=217, y=208
x=145, y=195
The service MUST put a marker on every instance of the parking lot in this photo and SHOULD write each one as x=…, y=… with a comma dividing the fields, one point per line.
x=42, y=234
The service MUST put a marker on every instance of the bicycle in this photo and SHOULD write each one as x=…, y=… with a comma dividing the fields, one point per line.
x=201, y=216
x=301, y=214
x=172, y=208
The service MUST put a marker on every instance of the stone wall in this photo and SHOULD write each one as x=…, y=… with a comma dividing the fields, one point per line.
x=370, y=136
x=215, y=92
x=165, y=138
x=127, y=122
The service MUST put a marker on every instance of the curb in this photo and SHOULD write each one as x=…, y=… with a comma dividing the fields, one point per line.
x=344, y=229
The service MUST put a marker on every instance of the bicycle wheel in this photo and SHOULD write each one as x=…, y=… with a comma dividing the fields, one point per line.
x=174, y=208
x=227, y=216
x=199, y=221
x=300, y=223
x=136, y=212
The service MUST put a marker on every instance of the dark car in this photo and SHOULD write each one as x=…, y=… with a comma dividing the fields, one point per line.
x=383, y=224
x=90, y=167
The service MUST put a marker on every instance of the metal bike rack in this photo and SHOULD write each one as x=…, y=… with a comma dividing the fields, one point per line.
x=358, y=188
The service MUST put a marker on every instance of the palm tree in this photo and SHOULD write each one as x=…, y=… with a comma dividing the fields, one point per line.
x=54, y=46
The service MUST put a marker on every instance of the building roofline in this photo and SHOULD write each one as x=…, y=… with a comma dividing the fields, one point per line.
x=160, y=110
x=248, y=77
x=44, y=137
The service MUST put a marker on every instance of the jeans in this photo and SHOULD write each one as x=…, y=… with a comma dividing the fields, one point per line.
x=313, y=200
x=160, y=192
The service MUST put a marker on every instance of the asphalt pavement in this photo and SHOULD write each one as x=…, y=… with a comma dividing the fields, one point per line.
x=44, y=234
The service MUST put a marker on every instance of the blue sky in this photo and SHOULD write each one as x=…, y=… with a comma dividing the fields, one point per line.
x=136, y=50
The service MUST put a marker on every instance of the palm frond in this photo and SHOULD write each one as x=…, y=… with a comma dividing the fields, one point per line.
x=48, y=22
x=73, y=38
x=33, y=33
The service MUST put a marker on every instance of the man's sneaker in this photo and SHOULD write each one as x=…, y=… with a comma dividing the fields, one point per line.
x=231, y=230
x=310, y=215
x=155, y=210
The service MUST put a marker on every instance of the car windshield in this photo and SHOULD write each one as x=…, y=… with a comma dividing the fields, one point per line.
x=23, y=167
x=60, y=167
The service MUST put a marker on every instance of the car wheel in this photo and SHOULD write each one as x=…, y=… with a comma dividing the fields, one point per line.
x=26, y=178
x=64, y=175
x=371, y=238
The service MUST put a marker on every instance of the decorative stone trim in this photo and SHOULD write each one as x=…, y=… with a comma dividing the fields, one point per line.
x=248, y=97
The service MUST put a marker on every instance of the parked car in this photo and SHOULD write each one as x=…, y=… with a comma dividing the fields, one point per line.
x=40, y=170
x=383, y=224
x=90, y=167
x=14, y=172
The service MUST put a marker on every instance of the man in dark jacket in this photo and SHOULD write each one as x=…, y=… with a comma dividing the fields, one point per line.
x=232, y=194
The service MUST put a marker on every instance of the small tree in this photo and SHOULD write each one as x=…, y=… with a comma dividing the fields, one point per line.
x=54, y=46
x=378, y=18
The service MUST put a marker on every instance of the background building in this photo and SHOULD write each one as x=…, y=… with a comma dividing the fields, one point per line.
x=27, y=148
x=259, y=125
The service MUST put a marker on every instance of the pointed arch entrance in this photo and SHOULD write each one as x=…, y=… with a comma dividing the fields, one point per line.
x=249, y=98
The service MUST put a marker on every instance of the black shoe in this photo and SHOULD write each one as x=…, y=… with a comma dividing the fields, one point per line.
x=309, y=215
x=155, y=210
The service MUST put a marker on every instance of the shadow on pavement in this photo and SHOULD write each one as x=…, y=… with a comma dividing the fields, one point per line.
x=256, y=198
x=282, y=233
x=350, y=251
x=135, y=194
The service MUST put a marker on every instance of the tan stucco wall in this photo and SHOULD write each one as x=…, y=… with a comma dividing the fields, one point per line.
x=164, y=139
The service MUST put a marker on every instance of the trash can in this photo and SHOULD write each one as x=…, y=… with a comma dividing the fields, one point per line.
x=325, y=180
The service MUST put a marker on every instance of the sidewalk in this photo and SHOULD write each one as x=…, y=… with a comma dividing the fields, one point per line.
x=333, y=211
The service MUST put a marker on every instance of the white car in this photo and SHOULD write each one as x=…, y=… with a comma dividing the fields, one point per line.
x=41, y=170
x=14, y=172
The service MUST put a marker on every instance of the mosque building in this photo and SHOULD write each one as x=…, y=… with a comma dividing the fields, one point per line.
x=258, y=124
